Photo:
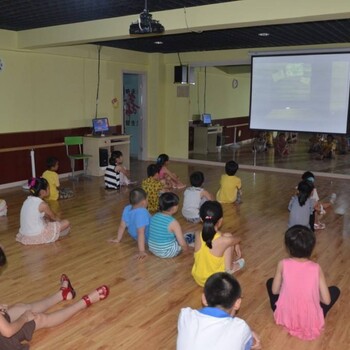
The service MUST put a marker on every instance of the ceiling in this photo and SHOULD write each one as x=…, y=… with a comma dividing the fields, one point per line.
x=18, y=15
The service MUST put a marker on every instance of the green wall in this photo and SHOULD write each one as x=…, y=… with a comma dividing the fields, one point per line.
x=220, y=99
x=55, y=88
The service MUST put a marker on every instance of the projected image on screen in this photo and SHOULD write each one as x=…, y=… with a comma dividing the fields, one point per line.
x=300, y=92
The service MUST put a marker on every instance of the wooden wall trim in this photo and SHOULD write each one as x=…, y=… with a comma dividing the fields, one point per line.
x=16, y=164
x=228, y=131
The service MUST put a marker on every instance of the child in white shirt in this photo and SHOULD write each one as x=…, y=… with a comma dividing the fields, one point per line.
x=194, y=197
x=215, y=326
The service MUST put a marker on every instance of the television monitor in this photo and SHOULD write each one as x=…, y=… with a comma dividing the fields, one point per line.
x=100, y=125
x=206, y=119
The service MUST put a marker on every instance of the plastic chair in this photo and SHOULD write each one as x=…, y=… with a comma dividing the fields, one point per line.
x=70, y=142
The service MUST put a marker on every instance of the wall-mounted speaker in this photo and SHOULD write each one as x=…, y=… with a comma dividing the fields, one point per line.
x=184, y=75
x=180, y=74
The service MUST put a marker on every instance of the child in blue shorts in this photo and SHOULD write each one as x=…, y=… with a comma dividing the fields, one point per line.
x=136, y=219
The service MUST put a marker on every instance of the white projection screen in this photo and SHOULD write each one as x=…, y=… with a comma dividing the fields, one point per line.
x=300, y=92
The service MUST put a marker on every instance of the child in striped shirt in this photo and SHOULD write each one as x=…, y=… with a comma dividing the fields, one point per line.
x=166, y=239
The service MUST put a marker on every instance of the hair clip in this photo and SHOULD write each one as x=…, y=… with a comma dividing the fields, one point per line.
x=31, y=182
x=208, y=217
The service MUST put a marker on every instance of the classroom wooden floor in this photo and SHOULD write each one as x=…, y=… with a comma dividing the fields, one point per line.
x=146, y=296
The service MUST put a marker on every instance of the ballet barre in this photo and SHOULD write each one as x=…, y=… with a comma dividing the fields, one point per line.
x=235, y=144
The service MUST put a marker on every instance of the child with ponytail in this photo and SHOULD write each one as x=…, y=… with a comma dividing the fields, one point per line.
x=301, y=205
x=214, y=251
x=38, y=224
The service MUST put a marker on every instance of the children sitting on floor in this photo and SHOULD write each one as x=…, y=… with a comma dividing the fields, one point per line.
x=153, y=187
x=18, y=322
x=281, y=145
x=320, y=208
x=135, y=219
x=166, y=239
x=124, y=173
x=230, y=184
x=39, y=224
x=214, y=251
x=112, y=174
x=54, y=183
x=194, y=197
x=299, y=296
x=301, y=206
x=168, y=178
x=216, y=326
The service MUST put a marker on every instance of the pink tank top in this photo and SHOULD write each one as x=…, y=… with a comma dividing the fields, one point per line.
x=161, y=173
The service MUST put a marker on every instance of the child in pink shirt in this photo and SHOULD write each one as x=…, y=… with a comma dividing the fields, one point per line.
x=298, y=293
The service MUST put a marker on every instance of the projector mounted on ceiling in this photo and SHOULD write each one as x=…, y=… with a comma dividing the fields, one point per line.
x=145, y=24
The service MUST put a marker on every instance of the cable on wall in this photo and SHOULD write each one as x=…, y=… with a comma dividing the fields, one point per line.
x=98, y=77
x=205, y=90
x=192, y=31
x=178, y=55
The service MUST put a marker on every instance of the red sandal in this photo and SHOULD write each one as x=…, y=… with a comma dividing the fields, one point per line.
x=103, y=292
x=68, y=289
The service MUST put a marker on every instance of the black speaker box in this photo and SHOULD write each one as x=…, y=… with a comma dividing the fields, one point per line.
x=180, y=74
x=103, y=157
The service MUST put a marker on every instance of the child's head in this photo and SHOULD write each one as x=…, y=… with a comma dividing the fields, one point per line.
x=308, y=176
x=138, y=196
x=305, y=189
x=330, y=138
x=162, y=159
x=197, y=179
x=210, y=213
x=222, y=290
x=300, y=241
x=168, y=200
x=38, y=186
x=231, y=168
x=152, y=170
x=116, y=158
x=52, y=163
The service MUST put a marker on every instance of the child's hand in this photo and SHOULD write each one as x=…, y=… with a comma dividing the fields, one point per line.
x=141, y=255
x=28, y=316
x=256, y=343
x=238, y=251
x=113, y=240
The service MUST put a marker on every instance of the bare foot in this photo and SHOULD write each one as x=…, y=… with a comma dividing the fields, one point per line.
x=113, y=240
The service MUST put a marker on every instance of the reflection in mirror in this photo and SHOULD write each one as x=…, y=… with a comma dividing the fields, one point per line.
x=229, y=108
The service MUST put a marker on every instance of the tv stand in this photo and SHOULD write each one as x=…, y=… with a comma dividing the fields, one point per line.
x=93, y=144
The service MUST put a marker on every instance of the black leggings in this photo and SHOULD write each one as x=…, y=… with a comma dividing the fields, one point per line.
x=333, y=291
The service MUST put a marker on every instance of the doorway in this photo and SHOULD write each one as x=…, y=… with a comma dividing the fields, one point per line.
x=134, y=97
